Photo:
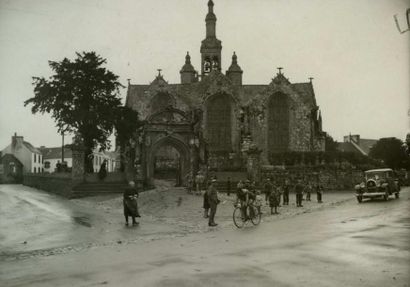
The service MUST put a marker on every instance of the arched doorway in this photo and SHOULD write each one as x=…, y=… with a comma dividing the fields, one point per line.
x=169, y=159
x=167, y=165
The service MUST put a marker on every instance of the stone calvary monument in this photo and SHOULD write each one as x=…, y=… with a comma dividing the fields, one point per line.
x=210, y=120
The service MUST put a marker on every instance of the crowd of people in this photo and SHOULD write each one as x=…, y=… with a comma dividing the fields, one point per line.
x=248, y=193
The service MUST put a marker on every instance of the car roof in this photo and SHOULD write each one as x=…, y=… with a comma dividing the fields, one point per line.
x=378, y=170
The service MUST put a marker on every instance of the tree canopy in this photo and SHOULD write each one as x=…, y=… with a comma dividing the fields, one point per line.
x=391, y=152
x=82, y=97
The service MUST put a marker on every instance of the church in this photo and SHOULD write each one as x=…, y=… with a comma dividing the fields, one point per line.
x=211, y=120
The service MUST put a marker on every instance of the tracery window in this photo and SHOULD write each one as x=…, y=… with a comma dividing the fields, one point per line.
x=219, y=123
x=278, y=123
x=160, y=102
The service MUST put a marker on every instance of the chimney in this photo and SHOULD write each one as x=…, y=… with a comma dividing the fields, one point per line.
x=16, y=141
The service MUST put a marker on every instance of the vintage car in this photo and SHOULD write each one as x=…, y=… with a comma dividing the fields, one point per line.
x=379, y=183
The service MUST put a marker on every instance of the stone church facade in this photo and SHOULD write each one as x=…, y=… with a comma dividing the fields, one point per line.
x=213, y=120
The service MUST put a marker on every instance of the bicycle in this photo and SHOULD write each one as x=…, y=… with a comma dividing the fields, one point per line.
x=252, y=213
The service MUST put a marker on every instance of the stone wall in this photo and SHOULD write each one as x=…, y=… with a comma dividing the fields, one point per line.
x=329, y=178
x=60, y=184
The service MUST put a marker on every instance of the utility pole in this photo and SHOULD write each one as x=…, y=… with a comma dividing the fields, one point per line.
x=62, y=148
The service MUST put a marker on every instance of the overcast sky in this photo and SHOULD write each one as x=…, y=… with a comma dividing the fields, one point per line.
x=352, y=48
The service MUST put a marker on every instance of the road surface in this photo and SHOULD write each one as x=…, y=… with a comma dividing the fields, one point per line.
x=340, y=244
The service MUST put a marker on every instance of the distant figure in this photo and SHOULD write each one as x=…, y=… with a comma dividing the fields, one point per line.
x=258, y=201
x=239, y=186
x=213, y=202
x=189, y=183
x=228, y=186
x=206, y=205
x=319, y=193
x=267, y=189
x=274, y=198
x=199, y=179
x=308, y=191
x=299, y=193
x=102, y=173
x=286, y=188
x=130, y=203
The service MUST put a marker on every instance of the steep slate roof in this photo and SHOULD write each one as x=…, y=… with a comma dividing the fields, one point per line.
x=347, y=147
x=31, y=147
x=366, y=144
x=55, y=153
x=363, y=147
x=306, y=91
x=11, y=156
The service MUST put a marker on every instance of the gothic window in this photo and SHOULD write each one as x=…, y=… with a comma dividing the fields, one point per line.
x=207, y=66
x=278, y=123
x=215, y=64
x=160, y=102
x=219, y=123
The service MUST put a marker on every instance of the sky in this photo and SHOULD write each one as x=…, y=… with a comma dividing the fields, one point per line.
x=358, y=59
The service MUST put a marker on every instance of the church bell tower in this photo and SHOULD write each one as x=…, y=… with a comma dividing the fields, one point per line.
x=211, y=47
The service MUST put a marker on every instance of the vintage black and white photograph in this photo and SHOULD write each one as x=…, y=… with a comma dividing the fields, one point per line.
x=205, y=143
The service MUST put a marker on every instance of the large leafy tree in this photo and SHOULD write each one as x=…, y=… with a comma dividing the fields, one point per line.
x=82, y=97
x=391, y=152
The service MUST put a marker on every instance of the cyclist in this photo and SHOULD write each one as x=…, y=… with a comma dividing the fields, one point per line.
x=246, y=197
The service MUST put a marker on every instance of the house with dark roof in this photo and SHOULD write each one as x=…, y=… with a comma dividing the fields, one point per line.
x=53, y=156
x=11, y=169
x=353, y=143
x=212, y=118
x=26, y=153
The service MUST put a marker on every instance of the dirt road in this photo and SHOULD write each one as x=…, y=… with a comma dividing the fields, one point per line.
x=340, y=243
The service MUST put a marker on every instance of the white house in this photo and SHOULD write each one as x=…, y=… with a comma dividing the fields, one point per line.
x=53, y=155
x=26, y=153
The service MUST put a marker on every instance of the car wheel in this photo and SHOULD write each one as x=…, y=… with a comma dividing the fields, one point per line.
x=359, y=199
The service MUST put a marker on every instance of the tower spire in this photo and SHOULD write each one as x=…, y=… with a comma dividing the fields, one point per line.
x=211, y=47
x=210, y=21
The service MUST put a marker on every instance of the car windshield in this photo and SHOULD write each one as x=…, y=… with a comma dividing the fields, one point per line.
x=376, y=175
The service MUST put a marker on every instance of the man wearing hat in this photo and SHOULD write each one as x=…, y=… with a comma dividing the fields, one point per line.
x=130, y=203
x=213, y=202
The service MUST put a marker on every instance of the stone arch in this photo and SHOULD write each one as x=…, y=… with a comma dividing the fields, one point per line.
x=179, y=145
x=278, y=132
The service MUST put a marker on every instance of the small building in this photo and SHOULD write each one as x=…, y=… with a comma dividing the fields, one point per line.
x=52, y=156
x=355, y=144
x=26, y=153
x=11, y=169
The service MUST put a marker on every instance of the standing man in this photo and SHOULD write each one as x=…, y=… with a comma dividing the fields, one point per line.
x=213, y=202
x=228, y=186
x=319, y=193
x=286, y=188
x=267, y=189
x=299, y=193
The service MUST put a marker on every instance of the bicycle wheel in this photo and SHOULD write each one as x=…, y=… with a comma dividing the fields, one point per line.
x=238, y=220
x=256, y=218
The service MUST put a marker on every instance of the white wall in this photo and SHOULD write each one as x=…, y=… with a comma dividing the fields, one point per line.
x=53, y=163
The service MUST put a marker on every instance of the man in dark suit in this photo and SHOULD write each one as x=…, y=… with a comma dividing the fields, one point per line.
x=213, y=202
